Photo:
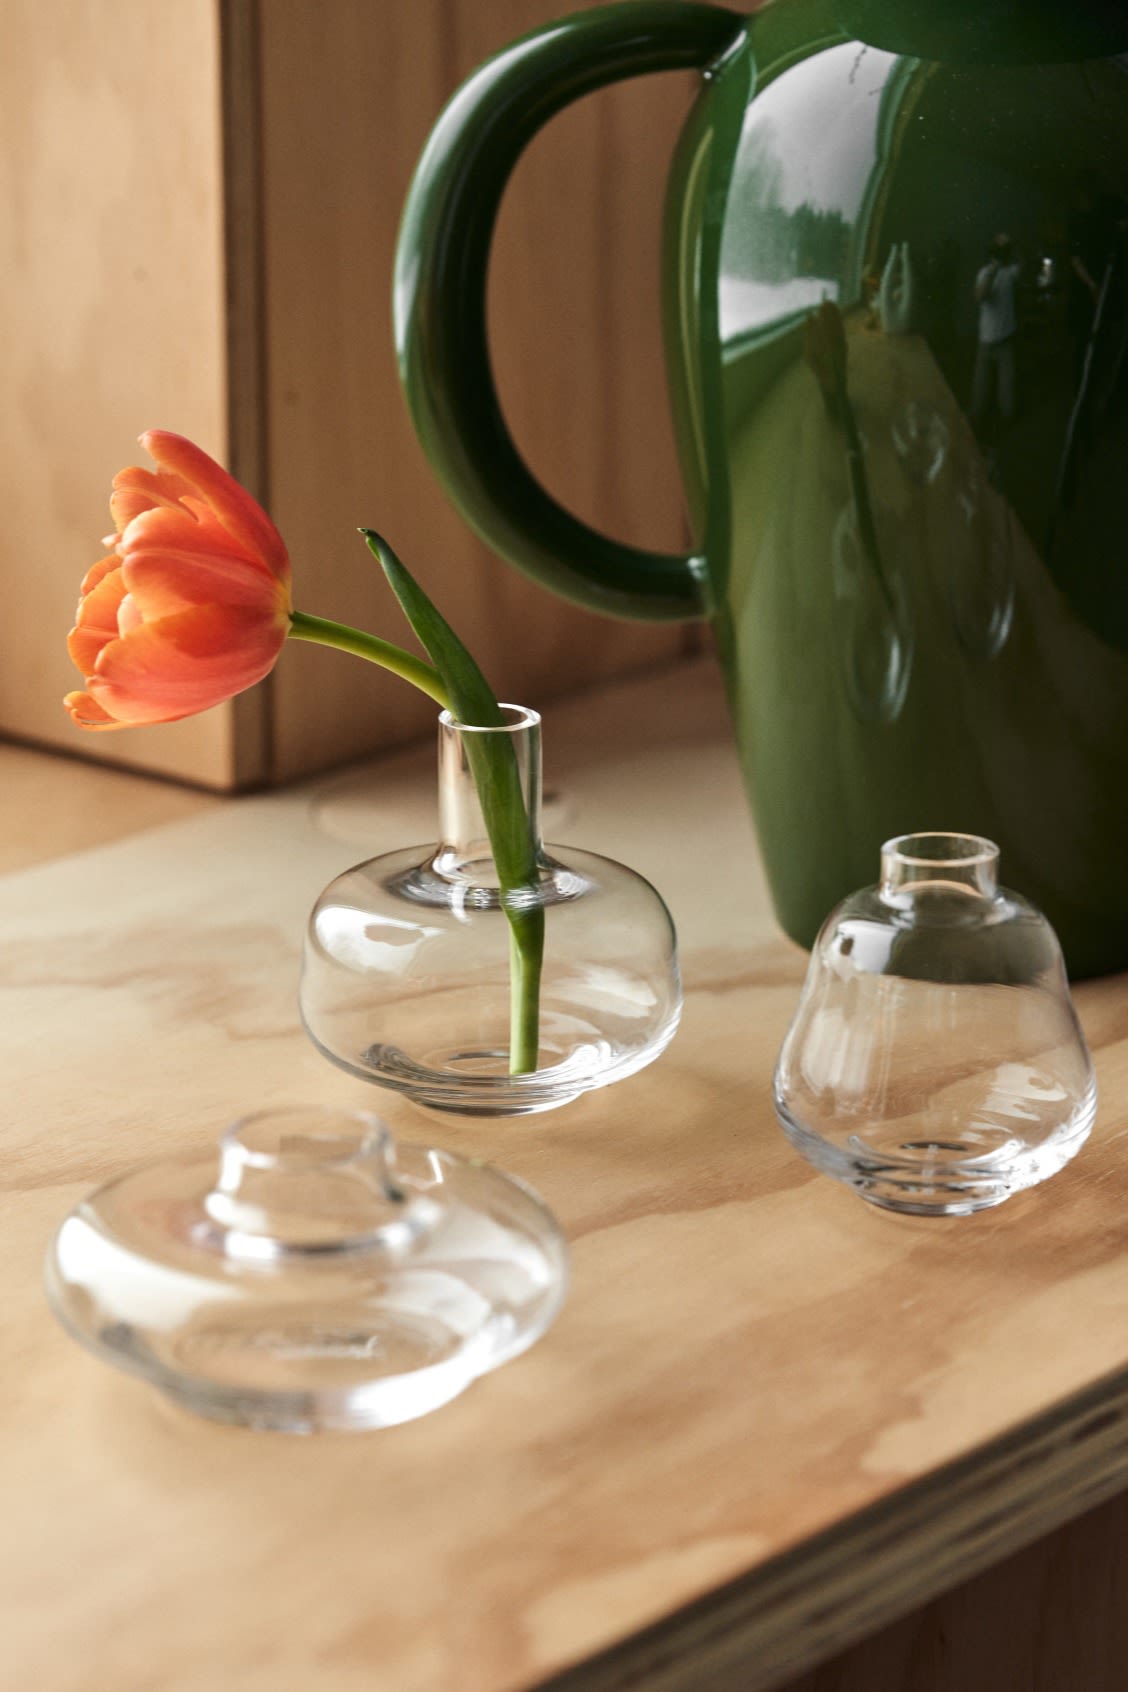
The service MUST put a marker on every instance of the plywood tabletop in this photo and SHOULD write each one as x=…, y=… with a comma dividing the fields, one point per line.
x=770, y=1417
x=55, y=805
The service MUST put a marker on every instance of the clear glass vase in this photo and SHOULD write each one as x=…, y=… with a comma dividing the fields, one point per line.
x=407, y=971
x=935, y=1062
x=313, y=1275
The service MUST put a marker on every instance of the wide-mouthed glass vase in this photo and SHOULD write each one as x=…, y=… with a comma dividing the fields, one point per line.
x=935, y=1062
x=407, y=968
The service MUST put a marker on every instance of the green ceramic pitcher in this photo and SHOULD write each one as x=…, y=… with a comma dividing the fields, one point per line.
x=896, y=304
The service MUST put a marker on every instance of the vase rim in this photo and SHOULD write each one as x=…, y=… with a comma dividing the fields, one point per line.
x=520, y=718
x=939, y=849
x=299, y=1136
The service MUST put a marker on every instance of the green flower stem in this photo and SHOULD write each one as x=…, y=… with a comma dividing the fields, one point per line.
x=493, y=764
x=526, y=954
x=326, y=633
x=496, y=777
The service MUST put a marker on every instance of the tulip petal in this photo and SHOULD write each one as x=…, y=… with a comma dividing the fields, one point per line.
x=96, y=620
x=189, y=527
x=162, y=583
x=98, y=608
x=185, y=663
x=96, y=571
x=129, y=616
x=136, y=490
x=240, y=515
x=83, y=647
x=88, y=714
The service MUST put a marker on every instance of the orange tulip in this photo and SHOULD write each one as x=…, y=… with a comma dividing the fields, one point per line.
x=193, y=604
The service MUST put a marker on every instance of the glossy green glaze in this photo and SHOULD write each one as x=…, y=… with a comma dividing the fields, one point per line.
x=440, y=294
x=909, y=504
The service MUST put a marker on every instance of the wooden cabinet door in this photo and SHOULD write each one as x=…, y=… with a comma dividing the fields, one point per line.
x=206, y=202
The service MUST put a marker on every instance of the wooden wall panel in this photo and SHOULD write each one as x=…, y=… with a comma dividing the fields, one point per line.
x=204, y=204
x=111, y=320
x=575, y=302
x=350, y=91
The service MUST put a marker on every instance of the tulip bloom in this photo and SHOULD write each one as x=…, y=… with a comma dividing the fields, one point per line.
x=193, y=604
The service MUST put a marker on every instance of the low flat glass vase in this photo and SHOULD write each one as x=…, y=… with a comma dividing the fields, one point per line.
x=313, y=1275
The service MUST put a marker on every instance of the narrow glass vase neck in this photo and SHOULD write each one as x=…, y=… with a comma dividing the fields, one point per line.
x=951, y=863
x=300, y=1180
x=464, y=843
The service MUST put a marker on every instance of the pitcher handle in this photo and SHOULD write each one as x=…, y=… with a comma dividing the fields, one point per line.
x=440, y=295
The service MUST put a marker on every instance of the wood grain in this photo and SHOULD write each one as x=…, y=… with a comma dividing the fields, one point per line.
x=887, y=1561
x=205, y=200
x=54, y=806
x=111, y=321
x=247, y=456
x=770, y=1419
x=574, y=327
x=1050, y=1618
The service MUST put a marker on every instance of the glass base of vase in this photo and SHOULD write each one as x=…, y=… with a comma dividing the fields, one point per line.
x=373, y=1372
x=951, y=1177
x=467, y=1080
x=309, y=1274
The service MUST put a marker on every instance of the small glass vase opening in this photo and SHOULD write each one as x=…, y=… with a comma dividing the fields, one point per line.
x=935, y=1062
x=315, y=1274
x=406, y=971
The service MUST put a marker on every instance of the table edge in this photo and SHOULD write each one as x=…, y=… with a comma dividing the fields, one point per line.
x=821, y=1596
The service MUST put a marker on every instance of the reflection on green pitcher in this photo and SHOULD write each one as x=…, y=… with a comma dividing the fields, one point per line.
x=896, y=297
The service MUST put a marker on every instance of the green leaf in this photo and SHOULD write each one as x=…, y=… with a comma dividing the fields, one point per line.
x=472, y=698
x=497, y=778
